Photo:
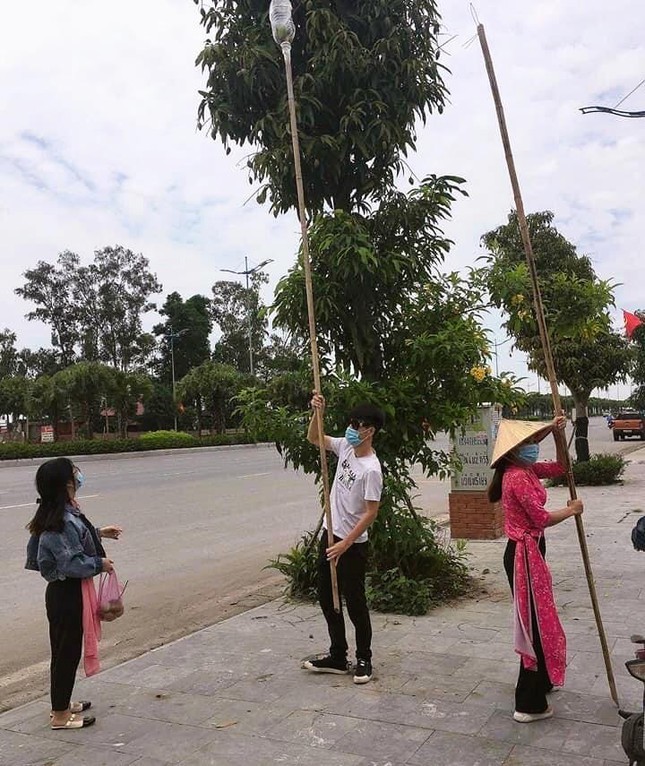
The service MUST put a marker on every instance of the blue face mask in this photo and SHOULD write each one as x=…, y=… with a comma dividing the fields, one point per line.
x=79, y=479
x=529, y=453
x=353, y=437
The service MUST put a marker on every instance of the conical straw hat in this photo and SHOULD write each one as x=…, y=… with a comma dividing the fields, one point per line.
x=511, y=433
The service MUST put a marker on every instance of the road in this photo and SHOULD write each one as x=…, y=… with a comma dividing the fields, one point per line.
x=199, y=528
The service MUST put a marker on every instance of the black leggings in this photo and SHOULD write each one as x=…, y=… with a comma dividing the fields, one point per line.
x=64, y=602
x=532, y=685
x=351, y=569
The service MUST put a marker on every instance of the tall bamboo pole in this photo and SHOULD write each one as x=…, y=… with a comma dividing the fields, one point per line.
x=283, y=33
x=546, y=347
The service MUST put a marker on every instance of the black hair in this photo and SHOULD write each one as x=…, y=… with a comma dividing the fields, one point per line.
x=369, y=414
x=494, y=490
x=52, y=479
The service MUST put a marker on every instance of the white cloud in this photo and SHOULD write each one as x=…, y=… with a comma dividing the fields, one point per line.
x=98, y=142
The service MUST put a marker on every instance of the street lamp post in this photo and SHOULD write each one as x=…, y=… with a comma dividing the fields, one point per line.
x=284, y=32
x=247, y=273
x=496, y=345
x=172, y=335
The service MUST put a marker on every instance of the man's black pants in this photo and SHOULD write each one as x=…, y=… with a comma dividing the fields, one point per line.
x=64, y=603
x=351, y=569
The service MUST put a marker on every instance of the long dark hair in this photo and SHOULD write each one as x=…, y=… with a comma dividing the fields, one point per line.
x=494, y=490
x=52, y=479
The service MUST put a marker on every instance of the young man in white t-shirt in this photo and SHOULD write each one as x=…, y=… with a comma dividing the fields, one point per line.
x=355, y=497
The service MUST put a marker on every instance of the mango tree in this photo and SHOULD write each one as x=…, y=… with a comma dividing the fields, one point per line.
x=393, y=327
x=587, y=353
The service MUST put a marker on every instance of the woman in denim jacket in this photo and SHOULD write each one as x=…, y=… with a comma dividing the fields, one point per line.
x=66, y=549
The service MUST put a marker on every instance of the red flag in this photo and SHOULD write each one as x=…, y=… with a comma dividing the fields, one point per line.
x=631, y=323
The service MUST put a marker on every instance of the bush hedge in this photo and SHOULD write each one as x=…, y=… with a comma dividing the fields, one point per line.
x=601, y=469
x=167, y=439
x=153, y=440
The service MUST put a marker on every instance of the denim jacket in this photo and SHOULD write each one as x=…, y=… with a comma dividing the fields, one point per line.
x=70, y=553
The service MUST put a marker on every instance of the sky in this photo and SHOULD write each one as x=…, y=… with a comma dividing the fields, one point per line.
x=99, y=146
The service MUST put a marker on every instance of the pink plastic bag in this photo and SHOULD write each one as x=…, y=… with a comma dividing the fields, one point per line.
x=91, y=627
x=110, y=597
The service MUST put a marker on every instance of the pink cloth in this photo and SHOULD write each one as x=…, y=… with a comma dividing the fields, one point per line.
x=91, y=628
x=525, y=518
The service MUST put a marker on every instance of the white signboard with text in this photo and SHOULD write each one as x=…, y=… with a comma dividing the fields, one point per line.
x=475, y=448
x=46, y=434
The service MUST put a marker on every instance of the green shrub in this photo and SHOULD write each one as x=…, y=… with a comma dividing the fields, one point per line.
x=599, y=470
x=167, y=440
x=220, y=440
x=16, y=451
x=392, y=591
x=153, y=440
x=411, y=567
x=300, y=567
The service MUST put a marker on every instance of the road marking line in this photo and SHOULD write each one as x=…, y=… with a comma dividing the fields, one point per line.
x=24, y=505
x=253, y=475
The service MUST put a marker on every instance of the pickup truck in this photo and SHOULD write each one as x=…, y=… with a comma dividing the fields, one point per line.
x=628, y=424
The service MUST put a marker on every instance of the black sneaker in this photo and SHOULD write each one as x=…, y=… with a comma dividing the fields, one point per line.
x=363, y=672
x=326, y=665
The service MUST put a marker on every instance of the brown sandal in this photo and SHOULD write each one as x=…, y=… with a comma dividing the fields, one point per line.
x=73, y=722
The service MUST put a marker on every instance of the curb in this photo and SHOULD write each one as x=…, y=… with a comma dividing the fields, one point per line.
x=631, y=449
x=34, y=461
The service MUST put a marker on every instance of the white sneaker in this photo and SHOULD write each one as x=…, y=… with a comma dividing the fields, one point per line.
x=530, y=717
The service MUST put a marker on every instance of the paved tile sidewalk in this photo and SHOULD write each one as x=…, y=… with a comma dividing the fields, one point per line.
x=442, y=694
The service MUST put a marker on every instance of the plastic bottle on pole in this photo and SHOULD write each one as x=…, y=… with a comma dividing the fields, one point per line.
x=282, y=25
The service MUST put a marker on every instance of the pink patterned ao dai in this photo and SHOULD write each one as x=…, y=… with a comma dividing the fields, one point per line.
x=525, y=518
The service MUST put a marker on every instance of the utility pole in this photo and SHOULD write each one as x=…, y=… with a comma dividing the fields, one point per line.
x=496, y=345
x=171, y=336
x=172, y=367
x=248, y=314
x=247, y=273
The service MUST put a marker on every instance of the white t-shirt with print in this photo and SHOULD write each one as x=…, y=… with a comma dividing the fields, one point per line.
x=357, y=479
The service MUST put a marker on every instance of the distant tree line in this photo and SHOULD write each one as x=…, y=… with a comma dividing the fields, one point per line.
x=103, y=371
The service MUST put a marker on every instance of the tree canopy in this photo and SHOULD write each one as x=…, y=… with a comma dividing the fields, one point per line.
x=587, y=354
x=8, y=353
x=638, y=372
x=187, y=327
x=236, y=310
x=365, y=74
x=211, y=389
x=94, y=311
x=369, y=270
x=393, y=329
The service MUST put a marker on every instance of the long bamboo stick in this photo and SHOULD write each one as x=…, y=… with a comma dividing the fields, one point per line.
x=315, y=360
x=546, y=346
